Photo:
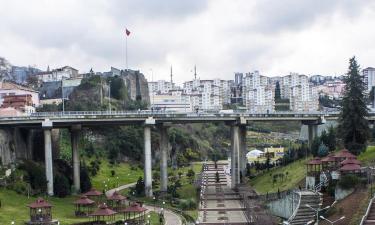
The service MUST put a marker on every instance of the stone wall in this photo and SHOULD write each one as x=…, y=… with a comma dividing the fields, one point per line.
x=137, y=85
x=284, y=206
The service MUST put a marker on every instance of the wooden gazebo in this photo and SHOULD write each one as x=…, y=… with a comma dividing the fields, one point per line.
x=350, y=165
x=314, y=166
x=138, y=213
x=116, y=201
x=84, y=206
x=329, y=162
x=103, y=215
x=41, y=212
x=344, y=154
x=94, y=195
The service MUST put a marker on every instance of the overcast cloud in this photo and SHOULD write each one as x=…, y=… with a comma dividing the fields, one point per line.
x=219, y=36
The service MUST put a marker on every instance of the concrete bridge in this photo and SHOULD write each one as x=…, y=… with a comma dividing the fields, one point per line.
x=161, y=120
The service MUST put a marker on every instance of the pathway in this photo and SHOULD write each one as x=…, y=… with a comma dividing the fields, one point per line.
x=171, y=218
x=219, y=203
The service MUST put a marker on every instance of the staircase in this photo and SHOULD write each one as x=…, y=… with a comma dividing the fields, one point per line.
x=369, y=217
x=303, y=214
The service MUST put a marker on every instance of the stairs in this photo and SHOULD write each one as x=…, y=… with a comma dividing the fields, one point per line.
x=303, y=214
x=369, y=218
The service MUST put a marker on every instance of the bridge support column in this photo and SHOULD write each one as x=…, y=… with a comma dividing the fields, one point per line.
x=147, y=156
x=312, y=133
x=47, y=126
x=75, y=135
x=163, y=158
x=235, y=144
x=243, y=152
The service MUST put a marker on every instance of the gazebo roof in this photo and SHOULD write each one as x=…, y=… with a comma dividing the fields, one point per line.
x=93, y=192
x=329, y=158
x=134, y=207
x=40, y=203
x=350, y=167
x=84, y=200
x=116, y=197
x=351, y=161
x=344, y=154
x=315, y=161
x=103, y=211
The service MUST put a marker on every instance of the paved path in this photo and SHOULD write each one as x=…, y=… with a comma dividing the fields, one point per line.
x=219, y=203
x=170, y=217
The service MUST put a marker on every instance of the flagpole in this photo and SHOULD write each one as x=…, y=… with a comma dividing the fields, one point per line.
x=126, y=51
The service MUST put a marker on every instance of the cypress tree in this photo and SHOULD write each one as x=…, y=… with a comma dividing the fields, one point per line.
x=353, y=126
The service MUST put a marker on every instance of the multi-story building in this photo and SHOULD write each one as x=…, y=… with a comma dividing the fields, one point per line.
x=65, y=72
x=369, y=77
x=257, y=93
x=12, y=89
x=160, y=87
x=175, y=100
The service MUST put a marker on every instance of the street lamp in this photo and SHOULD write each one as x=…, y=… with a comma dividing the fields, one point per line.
x=332, y=222
x=317, y=211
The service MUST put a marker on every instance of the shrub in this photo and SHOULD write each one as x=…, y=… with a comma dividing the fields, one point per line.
x=35, y=176
x=348, y=181
x=20, y=187
x=61, y=186
x=85, y=179
x=187, y=204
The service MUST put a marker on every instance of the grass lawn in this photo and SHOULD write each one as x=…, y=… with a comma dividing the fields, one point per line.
x=123, y=175
x=264, y=182
x=368, y=156
x=14, y=208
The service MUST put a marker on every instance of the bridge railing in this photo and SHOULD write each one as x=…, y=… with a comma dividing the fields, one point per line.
x=172, y=114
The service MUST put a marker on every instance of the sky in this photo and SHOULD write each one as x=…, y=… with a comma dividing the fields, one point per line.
x=220, y=37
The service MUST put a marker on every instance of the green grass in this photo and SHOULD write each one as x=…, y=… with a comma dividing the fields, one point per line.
x=14, y=208
x=264, y=183
x=123, y=175
x=368, y=156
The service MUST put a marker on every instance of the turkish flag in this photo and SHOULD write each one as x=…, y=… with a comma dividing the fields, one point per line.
x=127, y=32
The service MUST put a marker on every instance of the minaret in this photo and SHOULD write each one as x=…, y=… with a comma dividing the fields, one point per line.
x=171, y=76
x=195, y=72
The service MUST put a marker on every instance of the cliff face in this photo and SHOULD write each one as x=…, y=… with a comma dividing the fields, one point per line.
x=137, y=85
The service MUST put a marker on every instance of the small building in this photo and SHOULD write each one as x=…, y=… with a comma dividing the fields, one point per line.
x=103, y=215
x=116, y=201
x=12, y=89
x=134, y=214
x=84, y=206
x=94, y=195
x=314, y=167
x=41, y=213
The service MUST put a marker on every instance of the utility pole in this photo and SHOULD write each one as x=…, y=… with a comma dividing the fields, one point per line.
x=109, y=94
x=62, y=94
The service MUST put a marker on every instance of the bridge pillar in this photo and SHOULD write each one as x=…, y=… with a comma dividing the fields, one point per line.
x=147, y=156
x=163, y=130
x=235, y=144
x=47, y=127
x=312, y=133
x=243, y=152
x=75, y=135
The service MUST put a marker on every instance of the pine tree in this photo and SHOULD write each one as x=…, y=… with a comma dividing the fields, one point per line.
x=353, y=126
x=277, y=91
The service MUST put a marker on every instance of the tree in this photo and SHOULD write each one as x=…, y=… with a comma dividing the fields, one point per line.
x=323, y=150
x=315, y=146
x=331, y=139
x=353, y=126
x=277, y=91
x=85, y=178
x=140, y=187
x=61, y=186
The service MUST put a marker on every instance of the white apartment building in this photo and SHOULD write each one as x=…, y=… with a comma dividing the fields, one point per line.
x=260, y=99
x=160, y=87
x=172, y=101
x=369, y=77
x=258, y=94
x=65, y=72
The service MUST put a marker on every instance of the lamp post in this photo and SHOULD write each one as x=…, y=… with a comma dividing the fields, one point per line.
x=332, y=222
x=317, y=211
x=109, y=94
